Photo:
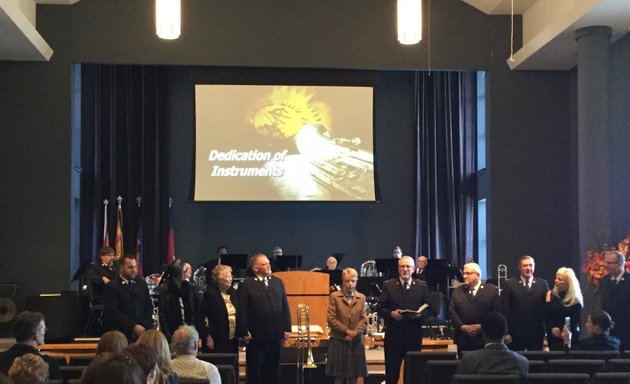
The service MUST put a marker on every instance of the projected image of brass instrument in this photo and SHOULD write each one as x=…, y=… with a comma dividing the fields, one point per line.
x=337, y=163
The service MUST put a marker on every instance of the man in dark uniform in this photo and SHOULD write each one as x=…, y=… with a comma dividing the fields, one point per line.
x=403, y=331
x=29, y=332
x=469, y=304
x=101, y=273
x=263, y=321
x=614, y=289
x=420, y=272
x=523, y=304
x=127, y=304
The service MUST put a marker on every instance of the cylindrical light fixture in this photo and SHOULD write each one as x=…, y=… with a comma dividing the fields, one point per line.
x=168, y=18
x=409, y=21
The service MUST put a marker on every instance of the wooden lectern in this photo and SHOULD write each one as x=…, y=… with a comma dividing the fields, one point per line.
x=311, y=288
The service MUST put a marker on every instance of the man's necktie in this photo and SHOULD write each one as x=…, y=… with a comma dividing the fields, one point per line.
x=406, y=285
x=132, y=286
x=266, y=281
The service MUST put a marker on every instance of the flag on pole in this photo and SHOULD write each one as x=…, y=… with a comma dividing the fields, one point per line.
x=105, y=231
x=139, y=240
x=118, y=244
x=170, y=253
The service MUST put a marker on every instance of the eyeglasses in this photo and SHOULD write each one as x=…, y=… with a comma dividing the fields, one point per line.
x=469, y=273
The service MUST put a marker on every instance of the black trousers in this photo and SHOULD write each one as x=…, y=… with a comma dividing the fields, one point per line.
x=263, y=361
x=394, y=356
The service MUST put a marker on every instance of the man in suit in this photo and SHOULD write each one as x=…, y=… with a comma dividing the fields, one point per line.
x=614, y=289
x=419, y=273
x=101, y=273
x=523, y=304
x=127, y=304
x=403, y=332
x=263, y=321
x=29, y=331
x=469, y=304
x=495, y=357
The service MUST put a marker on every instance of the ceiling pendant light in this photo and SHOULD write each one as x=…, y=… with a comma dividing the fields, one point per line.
x=409, y=21
x=168, y=19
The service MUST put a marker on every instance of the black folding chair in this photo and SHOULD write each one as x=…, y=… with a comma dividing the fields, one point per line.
x=543, y=355
x=538, y=366
x=590, y=367
x=618, y=365
x=486, y=379
x=611, y=378
x=604, y=355
x=557, y=378
x=415, y=363
x=440, y=371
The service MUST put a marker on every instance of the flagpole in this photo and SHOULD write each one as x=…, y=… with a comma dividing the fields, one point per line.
x=120, y=246
x=139, y=240
x=105, y=232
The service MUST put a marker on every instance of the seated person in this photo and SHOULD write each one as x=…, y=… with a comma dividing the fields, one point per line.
x=113, y=368
x=333, y=272
x=146, y=358
x=112, y=342
x=29, y=369
x=598, y=325
x=495, y=357
x=185, y=363
x=100, y=273
x=29, y=332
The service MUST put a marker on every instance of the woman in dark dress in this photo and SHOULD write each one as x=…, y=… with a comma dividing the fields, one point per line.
x=564, y=300
x=175, y=292
x=216, y=318
x=598, y=326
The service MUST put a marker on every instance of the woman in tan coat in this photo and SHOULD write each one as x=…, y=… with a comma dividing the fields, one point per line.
x=347, y=320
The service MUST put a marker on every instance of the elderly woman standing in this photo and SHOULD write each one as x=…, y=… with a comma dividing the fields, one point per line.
x=347, y=319
x=216, y=318
x=564, y=300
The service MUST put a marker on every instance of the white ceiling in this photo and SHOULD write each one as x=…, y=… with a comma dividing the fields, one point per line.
x=548, y=28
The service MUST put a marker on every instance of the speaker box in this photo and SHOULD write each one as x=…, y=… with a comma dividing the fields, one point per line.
x=65, y=313
x=12, y=298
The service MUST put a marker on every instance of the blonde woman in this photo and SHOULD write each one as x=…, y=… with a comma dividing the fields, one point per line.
x=347, y=319
x=157, y=341
x=563, y=301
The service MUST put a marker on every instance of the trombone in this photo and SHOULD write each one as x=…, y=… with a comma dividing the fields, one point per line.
x=303, y=343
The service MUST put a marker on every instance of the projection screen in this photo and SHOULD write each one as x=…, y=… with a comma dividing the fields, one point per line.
x=283, y=143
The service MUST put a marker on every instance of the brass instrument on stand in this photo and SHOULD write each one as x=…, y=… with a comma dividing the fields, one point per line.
x=303, y=342
x=501, y=275
x=153, y=281
x=368, y=268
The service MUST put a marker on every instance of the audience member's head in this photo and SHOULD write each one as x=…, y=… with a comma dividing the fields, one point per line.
x=146, y=358
x=30, y=327
x=112, y=342
x=29, y=369
x=494, y=327
x=113, y=368
x=185, y=341
x=156, y=340
x=598, y=322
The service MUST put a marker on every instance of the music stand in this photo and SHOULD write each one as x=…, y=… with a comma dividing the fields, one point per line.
x=339, y=257
x=288, y=262
x=370, y=286
x=334, y=276
x=437, y=273
x=235, y=260
x=387, y=267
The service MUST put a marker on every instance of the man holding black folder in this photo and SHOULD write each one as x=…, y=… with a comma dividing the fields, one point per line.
x=399, y=303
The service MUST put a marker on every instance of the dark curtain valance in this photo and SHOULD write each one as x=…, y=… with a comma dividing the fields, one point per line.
x=124, y=140
x=446, y=186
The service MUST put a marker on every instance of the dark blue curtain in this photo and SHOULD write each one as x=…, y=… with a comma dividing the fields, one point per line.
x=124, y=141
x=446, y=163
